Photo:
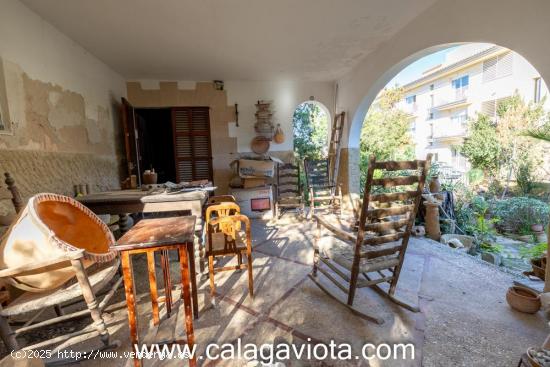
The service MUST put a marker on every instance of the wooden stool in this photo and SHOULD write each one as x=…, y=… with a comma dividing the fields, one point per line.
x=150, y=236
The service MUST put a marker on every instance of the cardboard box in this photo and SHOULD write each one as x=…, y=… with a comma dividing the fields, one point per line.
x=249, y=168
x=255, y=202
x=249, y=183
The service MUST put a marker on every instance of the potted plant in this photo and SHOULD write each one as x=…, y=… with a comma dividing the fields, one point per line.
x=537, y=257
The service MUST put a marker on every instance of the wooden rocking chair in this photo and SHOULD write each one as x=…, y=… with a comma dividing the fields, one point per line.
x=289, y=190
x=378, y=249
x=322, y=188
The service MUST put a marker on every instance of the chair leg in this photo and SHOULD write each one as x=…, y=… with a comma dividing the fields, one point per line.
x=7, y=334
x=211, y=274
x=239, y=260
x=311, y=203
x=91, y=301
x=250, y=275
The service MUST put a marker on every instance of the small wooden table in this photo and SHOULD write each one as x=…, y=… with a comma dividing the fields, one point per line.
x=150, y=236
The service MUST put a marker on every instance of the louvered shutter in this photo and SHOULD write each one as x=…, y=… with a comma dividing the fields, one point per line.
x=192, y=143
x=504, y=65
x=490, y=69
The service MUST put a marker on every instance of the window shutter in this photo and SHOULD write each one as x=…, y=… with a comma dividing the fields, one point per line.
x=504, y=65
x=489, y=108
x=192, y=145
x=490, y=69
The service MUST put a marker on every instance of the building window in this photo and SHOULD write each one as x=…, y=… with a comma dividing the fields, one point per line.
x=431, y=87
x=538, y=90
x=431, y=116
x=410, y=99
x=497, y=67
x=460, y=118
x=462, y=82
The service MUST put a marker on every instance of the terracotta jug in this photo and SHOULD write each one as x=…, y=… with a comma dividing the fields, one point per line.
x=279, y=137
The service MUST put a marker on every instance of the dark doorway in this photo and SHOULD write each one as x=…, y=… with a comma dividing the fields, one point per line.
x=156, y=138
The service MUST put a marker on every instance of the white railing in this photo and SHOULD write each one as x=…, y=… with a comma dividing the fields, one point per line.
x=446, y=128
x=450, y=95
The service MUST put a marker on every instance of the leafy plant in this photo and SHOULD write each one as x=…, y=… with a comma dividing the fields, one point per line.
x=519, y=213
x=533, y=252
x=385, y=133
x=525, y=177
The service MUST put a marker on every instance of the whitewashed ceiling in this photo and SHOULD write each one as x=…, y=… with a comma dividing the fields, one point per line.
x=230, y=39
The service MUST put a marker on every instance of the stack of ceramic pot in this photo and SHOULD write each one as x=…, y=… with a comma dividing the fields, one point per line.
x=264, y=127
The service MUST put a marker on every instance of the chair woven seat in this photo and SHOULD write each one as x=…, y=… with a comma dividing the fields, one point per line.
x=342, y=253
x=30, y=301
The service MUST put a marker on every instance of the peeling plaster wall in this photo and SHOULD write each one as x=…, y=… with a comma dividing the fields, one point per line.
x=62, y=104
x=286, y=96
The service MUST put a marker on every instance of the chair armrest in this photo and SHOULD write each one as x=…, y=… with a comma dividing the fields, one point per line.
x=21, y=270
x=346, y=236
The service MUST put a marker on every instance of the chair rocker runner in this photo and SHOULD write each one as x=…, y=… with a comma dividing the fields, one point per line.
x=377, y=250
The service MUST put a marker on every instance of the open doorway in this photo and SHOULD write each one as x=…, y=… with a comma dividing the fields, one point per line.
x=310, y=123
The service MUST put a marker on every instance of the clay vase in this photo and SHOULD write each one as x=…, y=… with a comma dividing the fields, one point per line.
x=435, y=185
x=433, y=228
x=49, y=227
x=279, y=136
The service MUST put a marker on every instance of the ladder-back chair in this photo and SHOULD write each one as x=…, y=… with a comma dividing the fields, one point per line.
x=377, y=250
x=225, y=237
x=289, y=189
x=322, y=188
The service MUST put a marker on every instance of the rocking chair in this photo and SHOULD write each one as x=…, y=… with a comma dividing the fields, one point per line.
x=322, y=188
x=378, y=249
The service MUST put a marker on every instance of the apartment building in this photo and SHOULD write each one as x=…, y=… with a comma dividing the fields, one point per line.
x=473, y=78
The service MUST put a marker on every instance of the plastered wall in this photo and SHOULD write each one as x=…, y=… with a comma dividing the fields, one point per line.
x=61, y=107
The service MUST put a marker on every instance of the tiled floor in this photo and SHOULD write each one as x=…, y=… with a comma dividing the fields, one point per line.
x=464, y=318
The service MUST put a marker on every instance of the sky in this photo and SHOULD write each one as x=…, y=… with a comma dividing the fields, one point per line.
x=415, y=70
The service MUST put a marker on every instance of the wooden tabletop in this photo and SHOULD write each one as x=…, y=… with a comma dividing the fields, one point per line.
x=157, y=232
x=137, y=195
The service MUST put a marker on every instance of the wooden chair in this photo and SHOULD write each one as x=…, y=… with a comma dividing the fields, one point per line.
x=378, y=249
x=321, y=187
x=217, y=199
x=289, y=190
x=87, y=286
x=225, y=237
x=12, y=193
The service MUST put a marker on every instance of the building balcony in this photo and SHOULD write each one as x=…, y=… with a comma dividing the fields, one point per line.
x=453, y=99
x=444, y=129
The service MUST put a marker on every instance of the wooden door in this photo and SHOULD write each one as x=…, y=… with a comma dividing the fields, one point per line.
x=131, y=143
x=192, y=145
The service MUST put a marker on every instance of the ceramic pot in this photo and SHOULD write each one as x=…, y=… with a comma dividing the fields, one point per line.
x=537, y=228
x=539, y=267
x=523, y=299
x=435, y=185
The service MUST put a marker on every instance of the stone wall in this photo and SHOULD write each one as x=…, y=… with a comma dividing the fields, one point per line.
x=36, y=172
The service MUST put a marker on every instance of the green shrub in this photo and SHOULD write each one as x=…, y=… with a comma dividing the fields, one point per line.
x=519, y=213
